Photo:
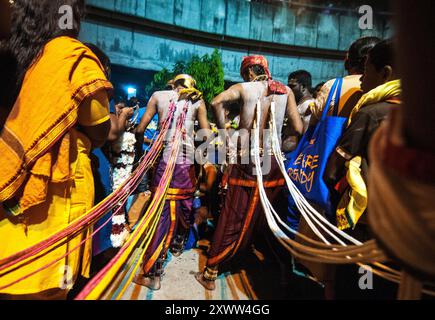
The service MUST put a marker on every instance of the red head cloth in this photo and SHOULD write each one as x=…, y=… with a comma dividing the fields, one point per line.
x=252, y=61
x=275, y=87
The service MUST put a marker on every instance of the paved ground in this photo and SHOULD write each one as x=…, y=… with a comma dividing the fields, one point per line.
x=253, y=276
x=178, y=283
x=258, y=274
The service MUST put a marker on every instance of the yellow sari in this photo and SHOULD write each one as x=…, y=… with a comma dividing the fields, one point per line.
x=46, y=179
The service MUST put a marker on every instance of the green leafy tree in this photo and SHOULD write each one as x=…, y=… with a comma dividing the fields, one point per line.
x=207, y=71
x=159, y=82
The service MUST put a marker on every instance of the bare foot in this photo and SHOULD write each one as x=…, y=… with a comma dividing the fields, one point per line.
x=209, y=285
x=152, y=283
x=176, y=253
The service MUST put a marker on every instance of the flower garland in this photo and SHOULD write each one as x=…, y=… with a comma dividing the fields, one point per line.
x=122, y=161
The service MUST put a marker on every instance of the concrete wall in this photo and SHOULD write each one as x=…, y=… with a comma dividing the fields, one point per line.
x=238, y=18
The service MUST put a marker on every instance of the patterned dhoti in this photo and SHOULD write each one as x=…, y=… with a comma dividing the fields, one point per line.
x=177, y=213
x=242, y=213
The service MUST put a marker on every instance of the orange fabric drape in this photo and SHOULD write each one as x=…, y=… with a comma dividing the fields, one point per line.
x=35, y=142
x=46, y=174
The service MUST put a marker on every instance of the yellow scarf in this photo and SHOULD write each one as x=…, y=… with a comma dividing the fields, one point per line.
x=382, y=93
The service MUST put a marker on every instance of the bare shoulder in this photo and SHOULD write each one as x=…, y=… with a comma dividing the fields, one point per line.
x=289, y=91
x=163, y=97
x=160, y=94
x=232, y=94
x=236, y=87
x=199, y=104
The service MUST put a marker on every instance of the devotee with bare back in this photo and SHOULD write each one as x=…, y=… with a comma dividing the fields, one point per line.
x=178, y=214
x=242, y=214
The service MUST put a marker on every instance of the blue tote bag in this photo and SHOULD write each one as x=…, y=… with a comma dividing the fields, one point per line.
x=306, y=165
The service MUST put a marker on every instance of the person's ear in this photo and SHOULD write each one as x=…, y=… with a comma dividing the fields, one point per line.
x=387, y=73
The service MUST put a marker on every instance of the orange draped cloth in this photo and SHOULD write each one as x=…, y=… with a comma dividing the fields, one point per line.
x=35, y=142
x=45, y=178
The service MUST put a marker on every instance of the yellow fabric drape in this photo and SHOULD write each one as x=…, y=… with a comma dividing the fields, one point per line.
x=384, y=92
x=35, y=143
x=354, y=202
x=45, y=164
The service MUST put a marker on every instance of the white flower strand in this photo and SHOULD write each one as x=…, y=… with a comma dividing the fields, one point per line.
x=125, y=148
x=122, y=168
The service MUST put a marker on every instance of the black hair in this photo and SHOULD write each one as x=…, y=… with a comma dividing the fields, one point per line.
x=358, y=51
x=303, y=77
x=180, y=82
x=8, y=67
x=319, y=85
x=257, y=69
x=132, y=102
x=34, y=24
x=317, y=88
x=119, y=99
x=104, y=58
x=382, y=55
x=5, y=19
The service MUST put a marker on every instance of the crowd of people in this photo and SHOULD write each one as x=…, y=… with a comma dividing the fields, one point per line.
x=66, y=144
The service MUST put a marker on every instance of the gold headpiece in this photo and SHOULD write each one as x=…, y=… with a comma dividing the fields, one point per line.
x=189, y=84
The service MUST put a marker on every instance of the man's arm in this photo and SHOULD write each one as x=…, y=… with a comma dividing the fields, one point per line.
x=229, y=96
x=97, y=134
x=147, y=117
x=118, y=124
x=295, y=124
x=292, y=131
x=144, y=122
x=115, y=129
x=202, y=116
x=335, y=169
